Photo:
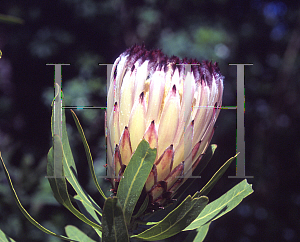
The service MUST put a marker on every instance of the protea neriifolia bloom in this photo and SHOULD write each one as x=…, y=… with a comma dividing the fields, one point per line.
x=154, y=98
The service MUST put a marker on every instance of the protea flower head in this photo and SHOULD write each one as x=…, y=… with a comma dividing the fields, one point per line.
x=153, y=97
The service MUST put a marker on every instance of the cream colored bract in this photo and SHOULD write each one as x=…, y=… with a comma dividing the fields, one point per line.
x=154, y=97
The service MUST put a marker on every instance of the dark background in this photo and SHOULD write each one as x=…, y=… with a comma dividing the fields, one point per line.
x=87, y=32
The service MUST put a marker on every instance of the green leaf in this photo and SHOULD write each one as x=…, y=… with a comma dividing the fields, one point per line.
x=86, y=210
x=5, y=238
x=134, y=178
x=70, y=170
x=114, y=226
x=176, y=220
x=199, y=234
x=212, y=182
x=205, y=159
x=222, y=205
x=89, y=212
x=59, y=184
x=98, y=232
x=10, y=19
x=203, y=163
x=189, y=182
x=26, y=214
x=76, y=234
x=142, y=208
x=88, y=153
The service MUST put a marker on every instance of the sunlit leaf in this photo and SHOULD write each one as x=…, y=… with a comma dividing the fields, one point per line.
x=176, y=220
x=222, y=205
x=5, y=238
x=76, y=234
x=212, y=182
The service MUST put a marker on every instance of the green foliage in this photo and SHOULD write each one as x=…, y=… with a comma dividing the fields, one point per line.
x=88, y=154
x=134, y=178
x=203, y=163
x=5, y=238
x=222, y=205
x=59, y=185
x=10, y=19
x=176, y=220
x=69, y=168
x=89, y=212
x=261, y=32
x=192, y=213
x=76, y=234
x=22, y=209
x=114, y=226
x=199, y=235
x=206, y=189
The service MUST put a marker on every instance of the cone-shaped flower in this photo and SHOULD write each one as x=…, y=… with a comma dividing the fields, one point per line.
x=171, y=105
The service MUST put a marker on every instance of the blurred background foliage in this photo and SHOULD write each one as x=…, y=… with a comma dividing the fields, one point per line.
x=84, y=33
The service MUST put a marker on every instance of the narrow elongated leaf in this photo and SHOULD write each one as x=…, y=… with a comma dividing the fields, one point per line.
x=203, y=163
x=182, y=189
x=114, y=226
x=222, y=205
x=89, y=212
x=70, y=170
x=205, y=190
x=10, y=19
x=59, y=185
x=88, y=154
x=142, y=208
x=176, y=220
x=76, y=234
x=212, y=182
x=199, y=234
x=26, y=214
x=134, y=178
x=205, y=159
x=5, y=238
x=98, y=232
